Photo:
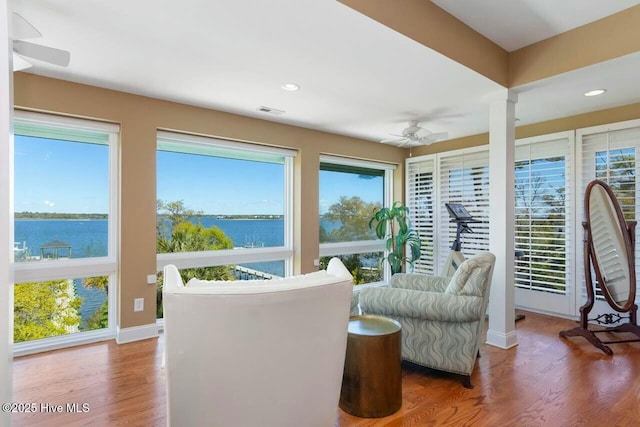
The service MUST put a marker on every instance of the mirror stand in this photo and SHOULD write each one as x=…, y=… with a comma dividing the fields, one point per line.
x=609, y=252
x=603, y=321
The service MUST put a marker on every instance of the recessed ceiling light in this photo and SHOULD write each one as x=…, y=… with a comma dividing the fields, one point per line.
x=595, y=92
x=291, y=87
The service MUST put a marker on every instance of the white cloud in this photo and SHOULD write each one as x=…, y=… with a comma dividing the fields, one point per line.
x=49, y=203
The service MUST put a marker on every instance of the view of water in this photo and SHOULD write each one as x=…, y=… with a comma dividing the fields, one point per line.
x=88, y=238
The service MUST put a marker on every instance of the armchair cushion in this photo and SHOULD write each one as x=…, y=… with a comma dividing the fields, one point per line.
x=421, y=305
x=419, y=282
x=471, y=277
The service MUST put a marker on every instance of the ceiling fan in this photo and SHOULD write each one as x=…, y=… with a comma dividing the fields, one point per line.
x=22, y=29
x=415, y=135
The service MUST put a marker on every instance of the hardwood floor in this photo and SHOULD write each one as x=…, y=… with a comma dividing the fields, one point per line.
x=544, y=381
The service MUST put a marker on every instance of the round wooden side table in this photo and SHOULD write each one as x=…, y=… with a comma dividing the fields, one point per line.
x=372, y=379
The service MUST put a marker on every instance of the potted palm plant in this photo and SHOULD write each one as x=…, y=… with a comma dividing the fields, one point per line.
x=393, y=224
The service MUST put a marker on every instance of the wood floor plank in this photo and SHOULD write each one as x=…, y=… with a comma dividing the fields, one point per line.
x=544, y=381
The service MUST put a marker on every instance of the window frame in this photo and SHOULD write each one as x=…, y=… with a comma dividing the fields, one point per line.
x=76, y=268
x=184, y=260
x=585, y=172
x=361, y=246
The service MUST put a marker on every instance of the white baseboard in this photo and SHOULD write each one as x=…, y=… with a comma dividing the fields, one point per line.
x=501, y=340
x=136, y=333
x=62, y=341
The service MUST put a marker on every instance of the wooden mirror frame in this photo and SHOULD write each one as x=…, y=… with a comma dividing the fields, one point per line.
x=609, y=322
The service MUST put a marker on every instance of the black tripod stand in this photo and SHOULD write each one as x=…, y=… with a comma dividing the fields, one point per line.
x=462, y=218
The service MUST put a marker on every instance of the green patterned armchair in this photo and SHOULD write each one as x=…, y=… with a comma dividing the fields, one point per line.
x=443, y=319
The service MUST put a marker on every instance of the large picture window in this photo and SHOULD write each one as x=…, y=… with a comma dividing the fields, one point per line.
x=350, y=191
x=224, y=208
x=65, y=213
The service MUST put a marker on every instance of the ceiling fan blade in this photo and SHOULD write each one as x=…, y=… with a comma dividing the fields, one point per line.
x=427, y=140
x=408, y=143
x=42, y=53
x=22, y=29
x=394, y=140
x=19, y=63
x=439, y=135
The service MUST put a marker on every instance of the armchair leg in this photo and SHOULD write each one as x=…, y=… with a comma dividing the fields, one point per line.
x=466, y=381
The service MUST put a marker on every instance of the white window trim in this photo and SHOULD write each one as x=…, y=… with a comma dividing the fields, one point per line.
x=66, y=122
x=79, y=267
x=222, y=257
x=359, y=247
x=213, y=142
x=368, y=164
x=200, y=259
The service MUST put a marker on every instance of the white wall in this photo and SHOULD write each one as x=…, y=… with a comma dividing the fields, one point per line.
x=6, y=243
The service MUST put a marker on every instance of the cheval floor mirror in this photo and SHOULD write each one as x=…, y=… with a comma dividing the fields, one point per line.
x=609, y=254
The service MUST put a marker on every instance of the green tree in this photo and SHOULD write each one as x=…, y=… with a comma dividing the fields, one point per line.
x=179, y=229
x=352, y=215
x=186, y=236
x=97, y=282
x=45, y=309
x=618, y=169
x=540, y=224
x=100, y=318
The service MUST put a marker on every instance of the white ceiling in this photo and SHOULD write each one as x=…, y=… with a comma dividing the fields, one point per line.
x=356, y=76
x=513, y=24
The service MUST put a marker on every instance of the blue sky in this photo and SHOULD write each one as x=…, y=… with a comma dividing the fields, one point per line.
x=221, y=186
x=68, y=177
x=59, y=176
x=333, y=185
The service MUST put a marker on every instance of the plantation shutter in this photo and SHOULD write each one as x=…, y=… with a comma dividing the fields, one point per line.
x=543, y=217
x=464, y=178
x=612, y=156
x=421, y=203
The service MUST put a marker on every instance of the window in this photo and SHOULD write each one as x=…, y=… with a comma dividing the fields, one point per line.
x=350, y=191
x=224, y=208
x=65, y=175
x=464, y=178
x=421, y=204
x=549, y=191
x=542, y=208
x=609, y=153
x=543, y=215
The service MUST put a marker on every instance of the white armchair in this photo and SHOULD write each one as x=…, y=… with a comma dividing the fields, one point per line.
x=256, y=353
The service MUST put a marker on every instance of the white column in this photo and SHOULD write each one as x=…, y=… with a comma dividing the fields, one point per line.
x=501, y=331
x=6, y=208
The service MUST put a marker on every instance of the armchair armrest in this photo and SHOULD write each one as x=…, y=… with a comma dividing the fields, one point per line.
x=421, y=305
x=419, y=282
